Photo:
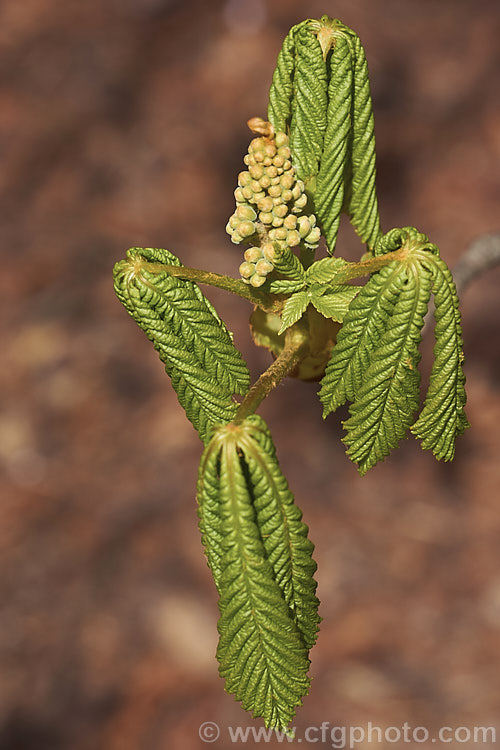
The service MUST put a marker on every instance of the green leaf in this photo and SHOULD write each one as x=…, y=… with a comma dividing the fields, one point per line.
x=329, y=194
x=308, y=121
x=281, y=92
x=443, y=417
x=364, y=324
x=287, y=263
x=388, y=397
x=335, y=302
x=283, y=533
x=362, y=205
x=324, y=271
x=193, y=343
x=285, y=286
x=293, y=310
x=261, y=559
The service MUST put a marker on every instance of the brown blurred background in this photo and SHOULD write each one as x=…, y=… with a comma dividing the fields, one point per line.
x=122, y=122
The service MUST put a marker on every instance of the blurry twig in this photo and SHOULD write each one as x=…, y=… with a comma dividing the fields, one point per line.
x=483, y=253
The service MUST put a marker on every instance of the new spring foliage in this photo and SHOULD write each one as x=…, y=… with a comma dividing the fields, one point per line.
x=261, y=560
x=321, y=94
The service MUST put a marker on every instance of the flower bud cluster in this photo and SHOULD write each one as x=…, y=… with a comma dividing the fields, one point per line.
x=270, y=204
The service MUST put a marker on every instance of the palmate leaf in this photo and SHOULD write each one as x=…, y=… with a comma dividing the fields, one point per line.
x=443, y=417
x=388, y=398
x=260, y=556
x=193, y=343
x=365, y=322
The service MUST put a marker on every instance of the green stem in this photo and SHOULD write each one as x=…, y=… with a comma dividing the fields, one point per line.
x=289, y=357
x=364, y=267
x=267, y=302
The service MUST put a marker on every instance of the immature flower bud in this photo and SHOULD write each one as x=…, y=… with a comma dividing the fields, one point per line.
x=257, y=170
x=247, y=192
x=277, y=221
x=301, y=202
x=238, y=194
x=287, y=166
x=272, y=171
x=278, y=234
x=234, y=221
x=268, y=251
x=263, y=267
x=246, y=212
x=257, y=280
x=286, y=181
x=257, y=144
x=281, y=140
x=246, y=228
x=246, y=270
x=313, y=236
x=265, y=204
x=259, y=125
x=253, y=254
x=284, y=152
x=293, y=238
x=287, y=195
x=278, y=161
x=265, y=181
x=270, y=149
x=236, y=238
x=304, y=226
x=266, y=217
x=244, y=178
x=290, y=221
x=280, y=210
x=275, y=191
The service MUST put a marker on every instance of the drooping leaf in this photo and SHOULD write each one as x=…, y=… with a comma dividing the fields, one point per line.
x=193, y=343
x=329, y=194
x=262, y=563
x=443, y=417
x=388, y=397
x=282, y=530
x=308, y=115
x=362, y=205
x=281, y=91
x=364, y=324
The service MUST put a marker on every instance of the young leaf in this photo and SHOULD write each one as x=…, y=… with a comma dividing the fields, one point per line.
x=443, y=417
x=362, y=205
x=193, y=343
x=308, y=122
x=281, y=91
x=285, y=286
x=365, y=322
x=329, y=195
x=293, y=310
x=335, y=302
x=263, y=574
x=283, y=533
x=324, y=271
x=386, y=402
x=287, y=263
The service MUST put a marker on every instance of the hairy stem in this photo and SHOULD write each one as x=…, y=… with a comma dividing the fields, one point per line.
x=267, y=302
x=364, y=267
x=291, y=354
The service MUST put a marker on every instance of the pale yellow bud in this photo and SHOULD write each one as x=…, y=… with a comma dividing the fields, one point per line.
x=246, y=270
